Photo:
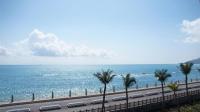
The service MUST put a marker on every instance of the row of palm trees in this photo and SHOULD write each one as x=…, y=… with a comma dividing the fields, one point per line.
x=105, y=77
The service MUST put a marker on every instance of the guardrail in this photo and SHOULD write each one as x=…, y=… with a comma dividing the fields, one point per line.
x=146, y=105
x=52, y=98
x=152, y=104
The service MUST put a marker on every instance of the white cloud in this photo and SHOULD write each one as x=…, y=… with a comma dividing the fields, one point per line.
x=3, y=51
x=47, y=44
x=192, y=31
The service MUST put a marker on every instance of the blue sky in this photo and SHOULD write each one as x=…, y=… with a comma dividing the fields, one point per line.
x=99, y=32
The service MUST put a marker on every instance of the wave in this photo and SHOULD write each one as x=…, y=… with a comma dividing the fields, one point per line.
x=140, y=74
x=50, y=75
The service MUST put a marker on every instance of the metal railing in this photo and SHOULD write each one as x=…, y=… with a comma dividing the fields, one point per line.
x=152, y=104
x=52, y=94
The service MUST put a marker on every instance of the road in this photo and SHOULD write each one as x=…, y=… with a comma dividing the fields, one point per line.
x=87, y=100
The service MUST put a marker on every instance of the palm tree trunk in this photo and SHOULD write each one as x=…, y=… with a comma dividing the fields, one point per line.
x=174, y=94
x=186, y=84
x=126, y=99
x=163, y=96
x=104, y=94
x=177, y=101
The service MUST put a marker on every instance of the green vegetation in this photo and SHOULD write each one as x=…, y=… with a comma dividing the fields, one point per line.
x=162, y=76
x=173, y=87
x=188, y=108
x=186, y=69
x=128, y=81
x=105, y=77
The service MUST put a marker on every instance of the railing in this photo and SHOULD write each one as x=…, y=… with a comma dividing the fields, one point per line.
x=52, y=95
x=33, y=96
x=152, y=104
x=70, y=96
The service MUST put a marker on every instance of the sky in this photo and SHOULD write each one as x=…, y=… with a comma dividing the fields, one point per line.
x=99, y=31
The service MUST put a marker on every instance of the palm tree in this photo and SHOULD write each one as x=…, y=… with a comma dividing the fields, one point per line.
x=105, y=77
x=186, y=69
x=173, y=87
x=198, y=69
x=162, y=76
x=128, y=81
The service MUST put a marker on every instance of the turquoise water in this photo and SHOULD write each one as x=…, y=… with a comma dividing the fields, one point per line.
x=23, y=80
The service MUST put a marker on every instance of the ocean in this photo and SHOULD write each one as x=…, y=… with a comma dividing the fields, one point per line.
x=23, y=80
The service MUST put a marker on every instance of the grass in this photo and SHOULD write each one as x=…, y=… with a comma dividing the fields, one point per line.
x=195, y=107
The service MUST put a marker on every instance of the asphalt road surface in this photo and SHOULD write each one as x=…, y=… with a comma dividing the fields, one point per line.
x=144, y=94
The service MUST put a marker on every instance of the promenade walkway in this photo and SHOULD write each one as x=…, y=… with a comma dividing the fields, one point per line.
x=112, y=99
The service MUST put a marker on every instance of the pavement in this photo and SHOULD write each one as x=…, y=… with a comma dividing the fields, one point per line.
x=34, y=106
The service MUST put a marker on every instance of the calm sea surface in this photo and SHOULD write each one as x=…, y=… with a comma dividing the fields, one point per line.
x=23, y=80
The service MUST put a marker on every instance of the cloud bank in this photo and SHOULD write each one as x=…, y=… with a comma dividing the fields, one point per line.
x=47, y=44
x=192, y=31
x=3, y=51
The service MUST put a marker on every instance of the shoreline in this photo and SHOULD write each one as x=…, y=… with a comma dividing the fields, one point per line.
x=22, y=82
x=89, y=96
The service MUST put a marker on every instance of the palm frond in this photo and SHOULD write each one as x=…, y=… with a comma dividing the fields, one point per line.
x=198, y=69
x=162, y=75
x=128, y=81
x=186, y=68
x=173, y=86
x=105, y=77
x=100, y=77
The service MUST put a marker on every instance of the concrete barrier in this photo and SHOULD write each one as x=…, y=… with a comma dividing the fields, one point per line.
x=167, y=91
x=98, y=101
x=20, y=110
x=76, y=104
x=50, y=107
x=152, y=93
x=136, y=96
x=119, y=98
x=89, y=96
